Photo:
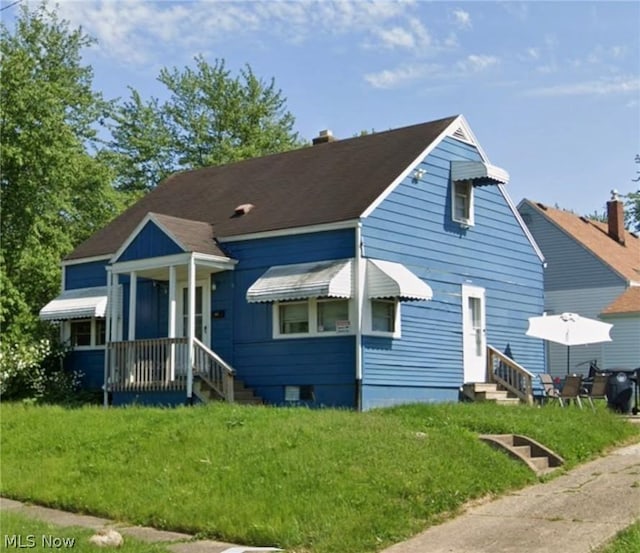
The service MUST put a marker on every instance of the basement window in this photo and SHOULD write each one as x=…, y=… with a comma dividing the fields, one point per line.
x=293, y=394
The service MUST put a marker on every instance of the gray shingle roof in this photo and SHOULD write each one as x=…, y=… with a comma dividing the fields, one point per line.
x=326, y=183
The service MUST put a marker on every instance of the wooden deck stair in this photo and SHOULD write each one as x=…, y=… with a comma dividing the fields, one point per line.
x=536, y=456
x=485, y=391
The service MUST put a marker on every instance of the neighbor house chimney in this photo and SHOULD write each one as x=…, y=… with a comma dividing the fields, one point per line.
x=615, y=217
x=324, y=136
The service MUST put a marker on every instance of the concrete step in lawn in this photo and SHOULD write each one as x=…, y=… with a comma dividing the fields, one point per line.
x=539, y=458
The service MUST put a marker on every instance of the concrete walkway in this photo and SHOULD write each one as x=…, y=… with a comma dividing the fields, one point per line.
x=573, y=513
x=173, y=541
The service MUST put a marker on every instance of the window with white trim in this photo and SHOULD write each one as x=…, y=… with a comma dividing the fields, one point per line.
x=462, y=202
x=294, y=318
x=312, y=317
x=381, y=317
x=86, y=333
x=333, y=315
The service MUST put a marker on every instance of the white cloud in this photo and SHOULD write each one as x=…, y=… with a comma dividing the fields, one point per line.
x=533, y=53
x=135, y=32
x=602, y=87
x=474, y=63
x=412, y=36
x=394, y=78
x=462, y=18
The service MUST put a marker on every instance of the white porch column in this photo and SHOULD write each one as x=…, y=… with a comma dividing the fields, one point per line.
x=171, y=331
x=107, y=339
x=133, y=292
x=191, y=324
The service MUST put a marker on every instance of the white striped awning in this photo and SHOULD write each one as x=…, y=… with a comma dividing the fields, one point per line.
x=478, y=171
x=386, y=279
x=82, y=303
x=321, y=279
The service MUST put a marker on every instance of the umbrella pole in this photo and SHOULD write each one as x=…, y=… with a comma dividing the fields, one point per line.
x=568, y=357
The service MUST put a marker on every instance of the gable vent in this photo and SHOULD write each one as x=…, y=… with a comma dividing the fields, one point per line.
x=459, y=133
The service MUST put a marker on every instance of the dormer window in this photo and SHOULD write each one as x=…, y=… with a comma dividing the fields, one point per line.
x=462, y=202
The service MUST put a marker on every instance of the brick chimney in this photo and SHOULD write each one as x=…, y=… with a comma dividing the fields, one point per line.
x=324, y=136
x=615, y=217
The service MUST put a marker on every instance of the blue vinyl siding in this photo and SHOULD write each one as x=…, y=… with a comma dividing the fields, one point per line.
x=90, y=365
x=152, y=308
x=413, y=226
x=268, y=365
x=85, y=275
x=150, y=242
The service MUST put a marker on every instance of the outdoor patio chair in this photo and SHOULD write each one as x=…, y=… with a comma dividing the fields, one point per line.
x=597, y=391
x=550, y=391
x=571, y=390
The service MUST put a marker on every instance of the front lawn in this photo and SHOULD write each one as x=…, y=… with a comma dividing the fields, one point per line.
x=305, y=480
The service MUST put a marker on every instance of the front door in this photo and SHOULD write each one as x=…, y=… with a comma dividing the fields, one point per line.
x=202, y=311
x=474, y=341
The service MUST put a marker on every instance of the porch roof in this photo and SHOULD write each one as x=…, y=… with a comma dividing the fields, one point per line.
x=303, y=280
x=81, y=303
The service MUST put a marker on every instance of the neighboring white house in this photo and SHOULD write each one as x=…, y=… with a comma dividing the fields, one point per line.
x=593, y=269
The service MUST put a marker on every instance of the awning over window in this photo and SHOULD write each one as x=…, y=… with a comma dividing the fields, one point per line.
x=330, y=279
x=483, y=173
x=393, y=280
x=82, y=303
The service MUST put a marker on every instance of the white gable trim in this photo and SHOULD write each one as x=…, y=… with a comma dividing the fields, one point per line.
x=149, y=217
x=82, y=260
x=449, y=131
x=521, y=222
x=323, y=227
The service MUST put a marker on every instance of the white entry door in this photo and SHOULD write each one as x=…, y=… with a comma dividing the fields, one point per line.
x=474, y=341
x=202, y=311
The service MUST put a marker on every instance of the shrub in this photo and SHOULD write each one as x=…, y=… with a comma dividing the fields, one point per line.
x=33, y=372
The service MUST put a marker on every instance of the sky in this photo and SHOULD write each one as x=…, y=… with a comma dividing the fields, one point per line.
x=550, y=89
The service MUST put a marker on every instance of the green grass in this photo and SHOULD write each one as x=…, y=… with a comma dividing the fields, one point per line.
x=321, y=480
x=627, y=541
x=36, y=535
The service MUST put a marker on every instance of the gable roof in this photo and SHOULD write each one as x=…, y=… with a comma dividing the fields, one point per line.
x=325, y=183
x=624, y=259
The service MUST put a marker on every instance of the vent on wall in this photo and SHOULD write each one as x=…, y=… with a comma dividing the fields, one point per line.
x=460, y=134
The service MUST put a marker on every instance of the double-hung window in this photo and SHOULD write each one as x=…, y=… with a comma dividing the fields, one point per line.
x=312, y=317
x=87, y=333
x=462, y=202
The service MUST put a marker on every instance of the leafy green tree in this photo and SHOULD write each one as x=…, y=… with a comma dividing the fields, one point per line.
x=632, y=203
x=54, y=192
x=210, y=118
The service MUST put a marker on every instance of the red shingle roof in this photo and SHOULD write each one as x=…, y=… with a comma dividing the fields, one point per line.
x=627, y=302
x=593, y=235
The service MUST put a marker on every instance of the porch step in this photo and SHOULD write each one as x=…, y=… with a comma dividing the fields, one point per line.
x=536, y=456
x=485, y=391
x=241, y=394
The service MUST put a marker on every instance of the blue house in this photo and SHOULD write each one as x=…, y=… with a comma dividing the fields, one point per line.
x=376, y=270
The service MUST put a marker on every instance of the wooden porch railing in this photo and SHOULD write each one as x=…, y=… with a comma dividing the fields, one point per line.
x=155, y=364
x=504, y=371
x=209, y=366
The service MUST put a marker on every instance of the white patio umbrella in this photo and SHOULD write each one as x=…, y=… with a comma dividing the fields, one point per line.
x=569, y=329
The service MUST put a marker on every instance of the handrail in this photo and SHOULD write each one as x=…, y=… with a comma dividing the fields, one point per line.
x=151, y=364
x=503, y=370
x=209, y=366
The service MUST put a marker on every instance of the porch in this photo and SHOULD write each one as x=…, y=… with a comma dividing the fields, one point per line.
x=162, y=364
